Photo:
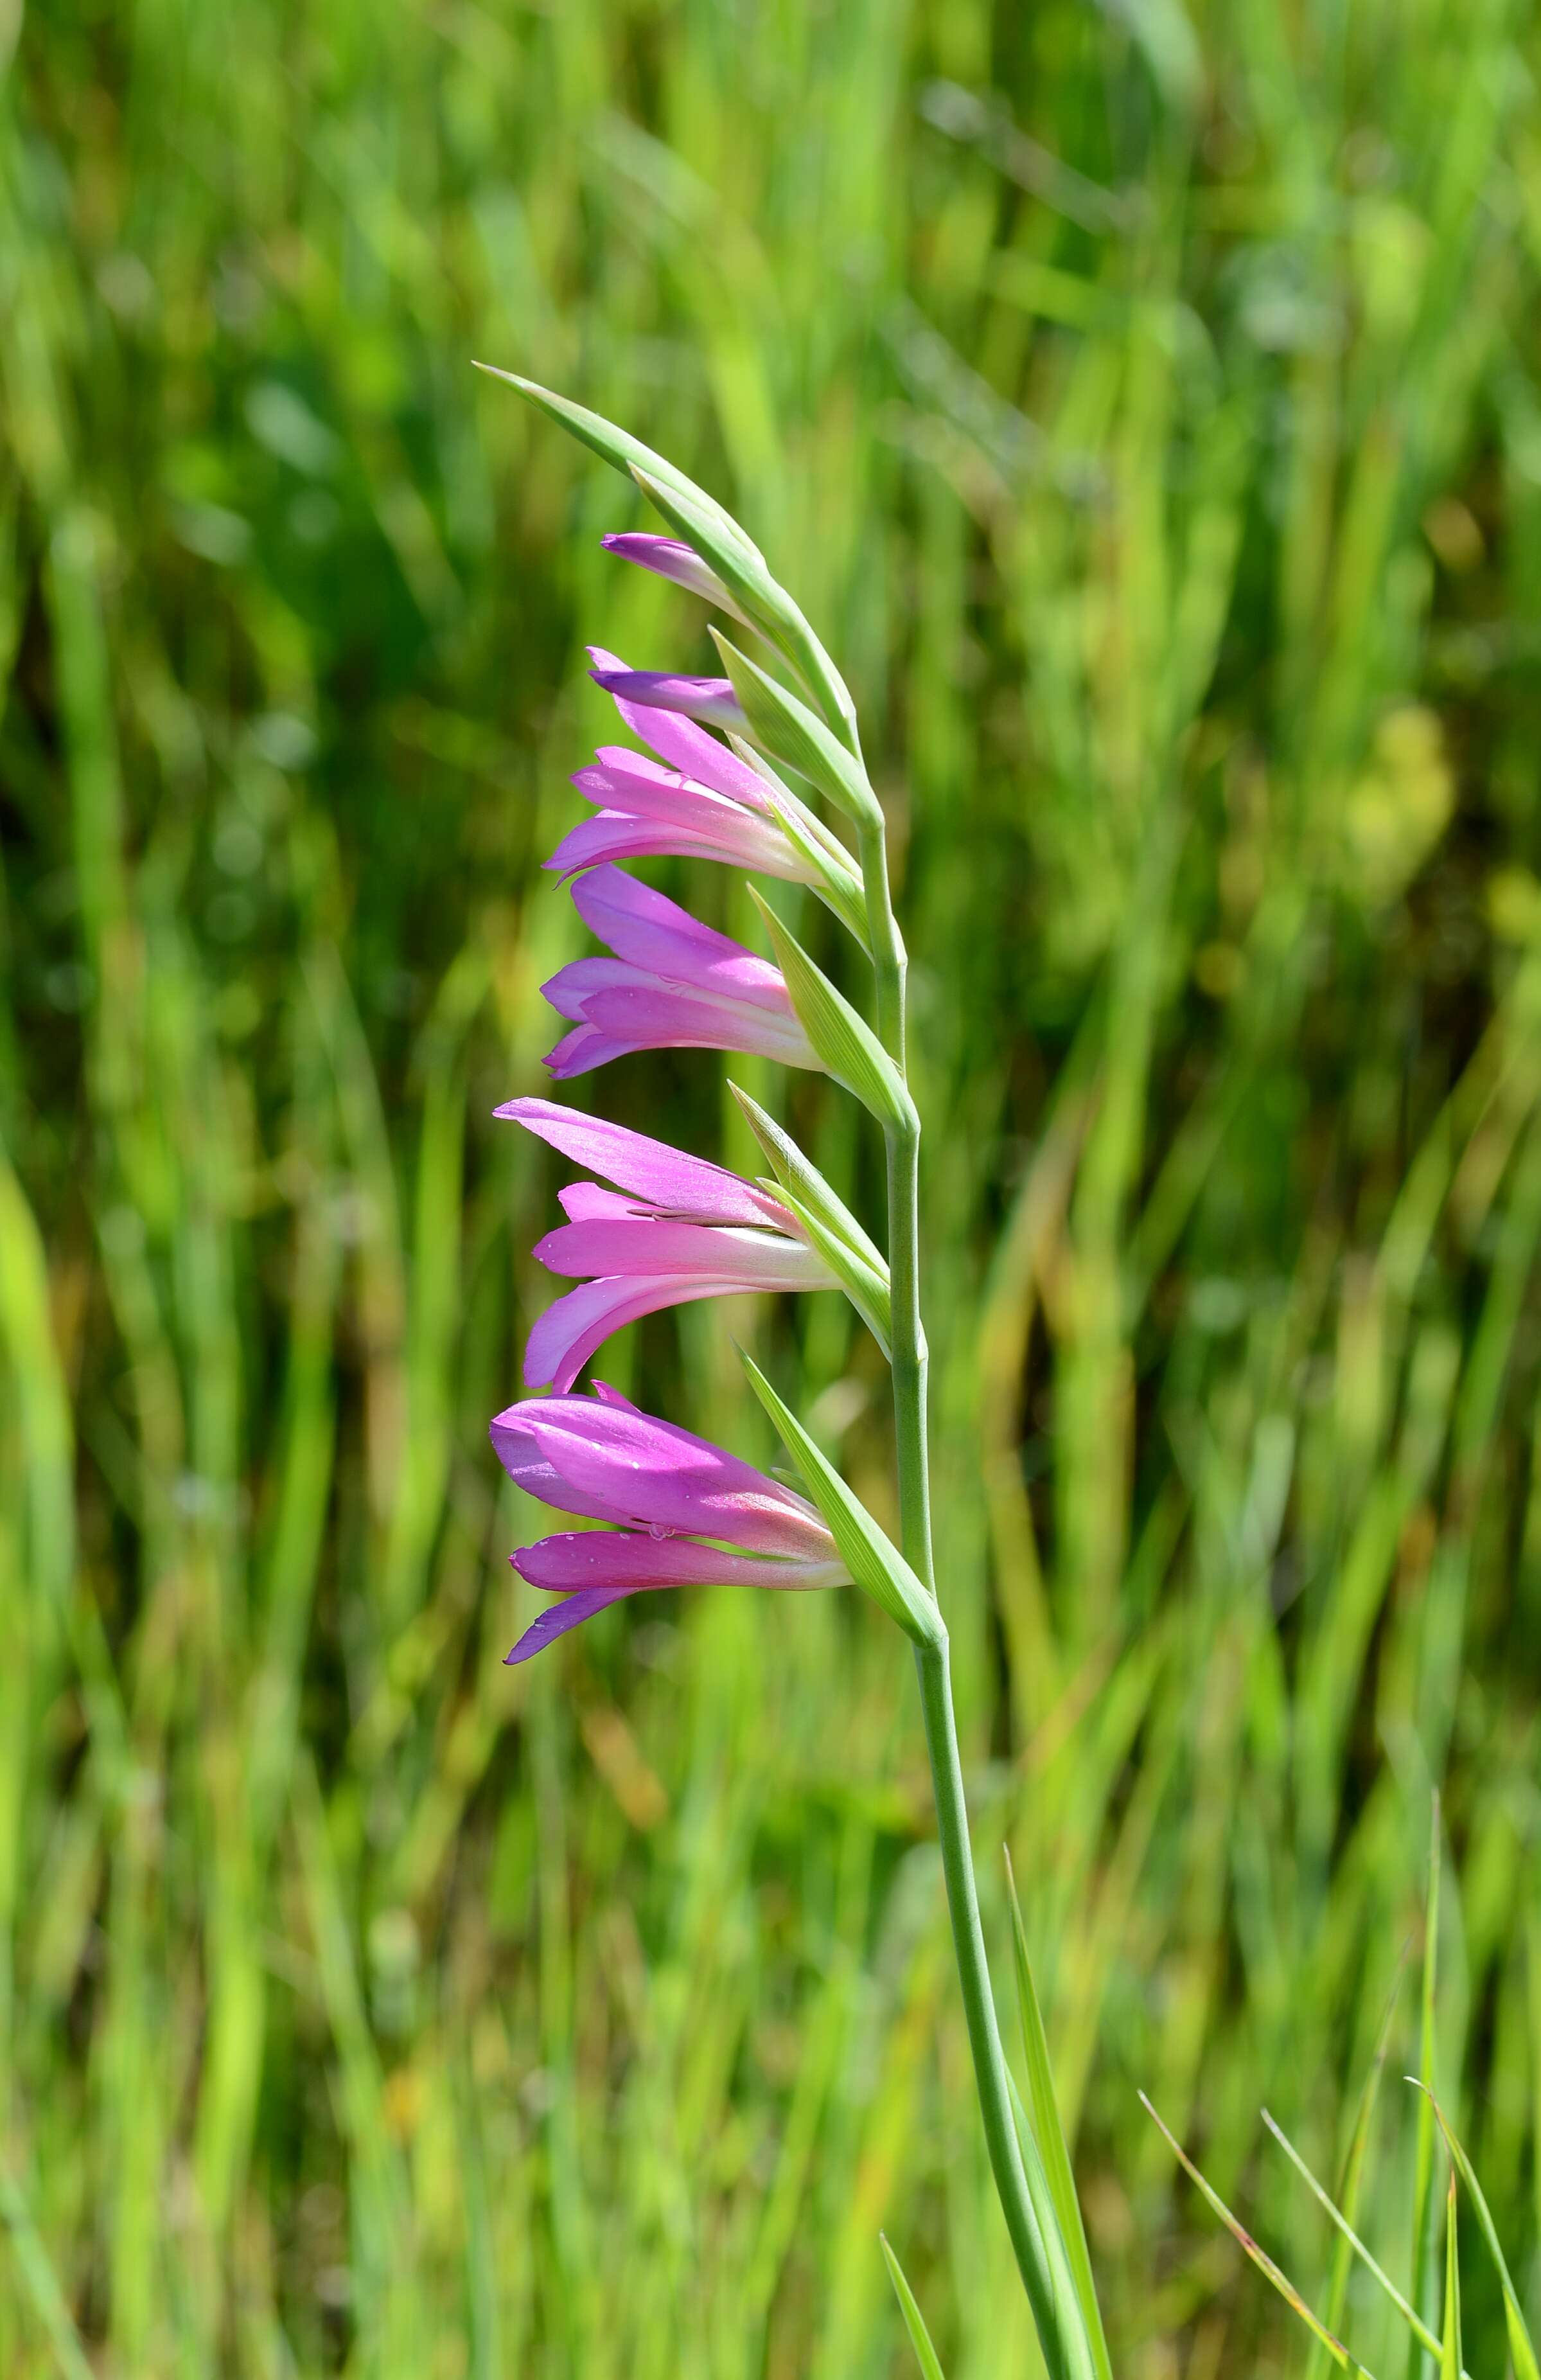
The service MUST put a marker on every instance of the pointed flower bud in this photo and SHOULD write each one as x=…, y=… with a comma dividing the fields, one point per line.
x=670, y=558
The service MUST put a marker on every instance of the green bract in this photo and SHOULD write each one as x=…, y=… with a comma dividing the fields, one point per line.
x=847, y=1046
x=879, y=1568
x=624, y=453
x=792, y=734
x=796, y=1173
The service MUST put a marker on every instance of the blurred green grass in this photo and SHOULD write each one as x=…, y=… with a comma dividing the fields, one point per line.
x=1142, y=405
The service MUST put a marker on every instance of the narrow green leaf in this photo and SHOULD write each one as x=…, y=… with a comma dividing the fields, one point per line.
x=1522, y=2347
x=828, y=842
x=41, y=2282
x=793, y=734
x=914, y=2322
x=1353, y=2244
x=1419, y=2366
x=622, y=450
x=1353, y=2179
x=845, y=1041
x=1076, y=2356
x=756, y=599
x=878, y=1567
x=1050, y=2133
x=837, y=877
x=1259, y=2255
x=1450, y=2354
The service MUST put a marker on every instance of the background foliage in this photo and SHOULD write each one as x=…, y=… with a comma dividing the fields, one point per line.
x=1141, y=402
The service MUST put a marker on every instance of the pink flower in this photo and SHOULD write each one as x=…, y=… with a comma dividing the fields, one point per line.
x=647, y=812
x=673, y=737
x=678, y=1512
x=673, y=984
x=678, y=1229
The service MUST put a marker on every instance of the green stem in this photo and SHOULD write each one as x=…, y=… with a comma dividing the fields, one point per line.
x=931, y=1660
x=911, y=1359
x=984, y=2035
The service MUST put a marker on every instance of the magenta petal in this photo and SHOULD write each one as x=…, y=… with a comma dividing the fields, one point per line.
x=567, y=1333
x=641, y=1246
x=587, y=1559
x=665, y=1176
x=521, y=1439
x=684, y=746
x=570, y=1613
x=581, y=1050
x=702, y=698
x=624, y=781
x=668, y=557
x=705, y=764
x=600, y=842
x=637, y=1016
x=644, y=819
x=572, y=986
x=650, y=932
x=585, y=1202
x=603, y=1459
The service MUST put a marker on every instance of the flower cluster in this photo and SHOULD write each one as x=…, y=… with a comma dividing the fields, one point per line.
x=661, y=1228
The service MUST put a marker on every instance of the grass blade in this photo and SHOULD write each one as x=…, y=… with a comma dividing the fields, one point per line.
x=1521, y=2347
x=1259, y=2255
x=1352, y=2245
x=41, y=2282
x=914, y=2320
x=1049, y=2135
x=1420, y=2366
x=1450, y=2353
x=1354, y=2174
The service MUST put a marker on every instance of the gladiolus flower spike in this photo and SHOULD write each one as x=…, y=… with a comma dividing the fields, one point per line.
x=674, y=1510
x=678, y=1512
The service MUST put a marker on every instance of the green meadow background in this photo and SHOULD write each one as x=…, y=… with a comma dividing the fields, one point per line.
x=1141, y=399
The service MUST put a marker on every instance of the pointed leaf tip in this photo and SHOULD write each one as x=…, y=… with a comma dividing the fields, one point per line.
x=914, y=2320
x=621, y=450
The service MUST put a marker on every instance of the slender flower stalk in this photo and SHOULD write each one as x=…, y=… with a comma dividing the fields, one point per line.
x=678, y=1512
x=660, y=1235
